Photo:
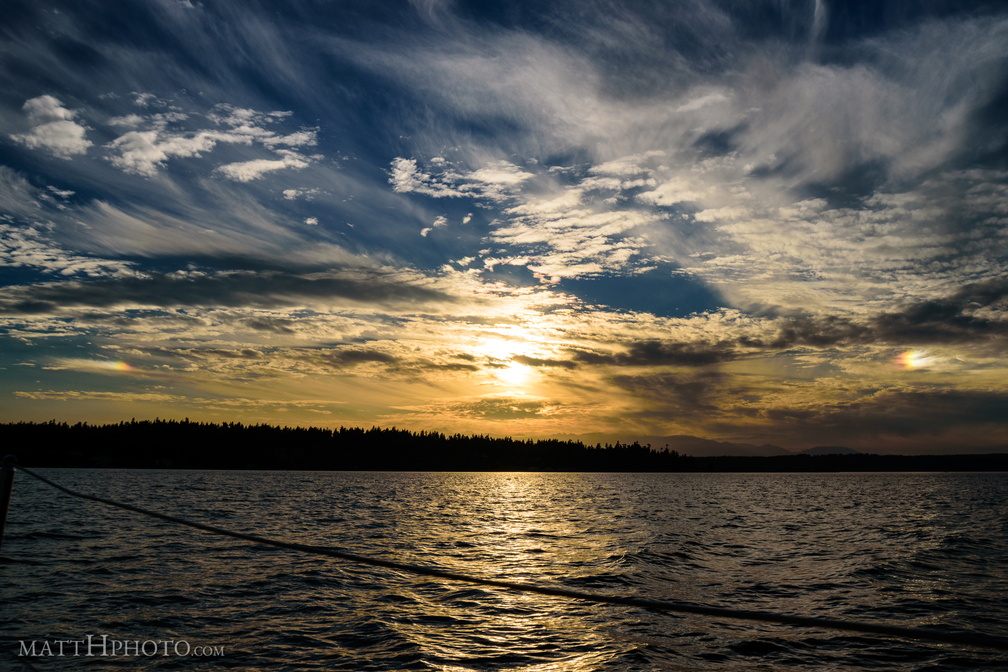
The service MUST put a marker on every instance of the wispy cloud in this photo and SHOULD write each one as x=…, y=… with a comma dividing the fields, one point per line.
x=241, y=288
x=30, y=248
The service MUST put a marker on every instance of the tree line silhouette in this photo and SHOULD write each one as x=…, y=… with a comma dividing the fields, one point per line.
x=184, y=444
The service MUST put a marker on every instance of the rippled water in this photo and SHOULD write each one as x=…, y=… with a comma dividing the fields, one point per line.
x=912, y=549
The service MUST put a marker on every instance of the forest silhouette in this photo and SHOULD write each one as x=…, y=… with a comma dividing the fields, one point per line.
x=184, y=444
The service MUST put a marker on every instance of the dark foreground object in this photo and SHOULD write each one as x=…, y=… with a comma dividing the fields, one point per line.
x=170, y=444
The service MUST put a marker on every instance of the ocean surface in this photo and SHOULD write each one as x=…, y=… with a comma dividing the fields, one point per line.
x=920, y=550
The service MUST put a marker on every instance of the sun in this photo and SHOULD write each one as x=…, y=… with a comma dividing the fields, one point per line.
x=499, y=350
x=514, y=374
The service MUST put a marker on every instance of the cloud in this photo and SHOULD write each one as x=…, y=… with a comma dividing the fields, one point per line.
x=246, y=171
x=144, y=152
x=294, y=194
x=279, y=325
x=342, y=359
x=53, y=128
x=227, y=406
x=26, y=247
x=129, y=397
x=406, y=177
x=702, y=101
x=778, y=159
x=583, y=241
x=555, y=231
x=237, y=226
x=659, y=353
x=496, y=181
x=974, y=313
x=537, y=362
x=244, y=353
x=672, y=191
x=19, y=198
x=696, y=392
x=439, y=221
x=239, y=288
x=934, y=420
x=503, y=408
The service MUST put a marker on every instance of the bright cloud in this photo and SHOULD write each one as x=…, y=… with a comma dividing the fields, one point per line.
x=440, y=221
x=497, y=181
x=53, y=128
x=145, y=152
x=246, y=171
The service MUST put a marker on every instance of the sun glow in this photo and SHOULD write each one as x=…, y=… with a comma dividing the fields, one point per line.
x=915, y=359
x=514, y=374
x=500, y=351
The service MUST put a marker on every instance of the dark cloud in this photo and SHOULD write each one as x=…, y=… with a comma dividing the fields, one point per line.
x=972, y=418
x=534, y=361
x=435, y=366
x=813, y=332
x=952, y=319
x=661, y=353
x=501, y=409
x=279, y=325
x=959, y=317
x=262, y=289
x=340, y=359
x=243, y=353
x=675, y=391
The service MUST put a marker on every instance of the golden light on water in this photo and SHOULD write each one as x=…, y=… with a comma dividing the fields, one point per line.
x=517, y=527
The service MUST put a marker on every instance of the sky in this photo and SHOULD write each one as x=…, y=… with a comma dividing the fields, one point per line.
x=758, y=222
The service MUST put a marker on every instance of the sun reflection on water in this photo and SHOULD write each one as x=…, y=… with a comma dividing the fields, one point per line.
x=506, y=527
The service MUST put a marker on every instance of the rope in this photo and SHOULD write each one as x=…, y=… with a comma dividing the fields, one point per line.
x=922, y=634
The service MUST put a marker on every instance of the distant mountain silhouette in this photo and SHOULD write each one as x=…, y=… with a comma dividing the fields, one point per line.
x=830, y=450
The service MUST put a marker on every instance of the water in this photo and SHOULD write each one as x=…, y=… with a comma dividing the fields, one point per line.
x=911, y=549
